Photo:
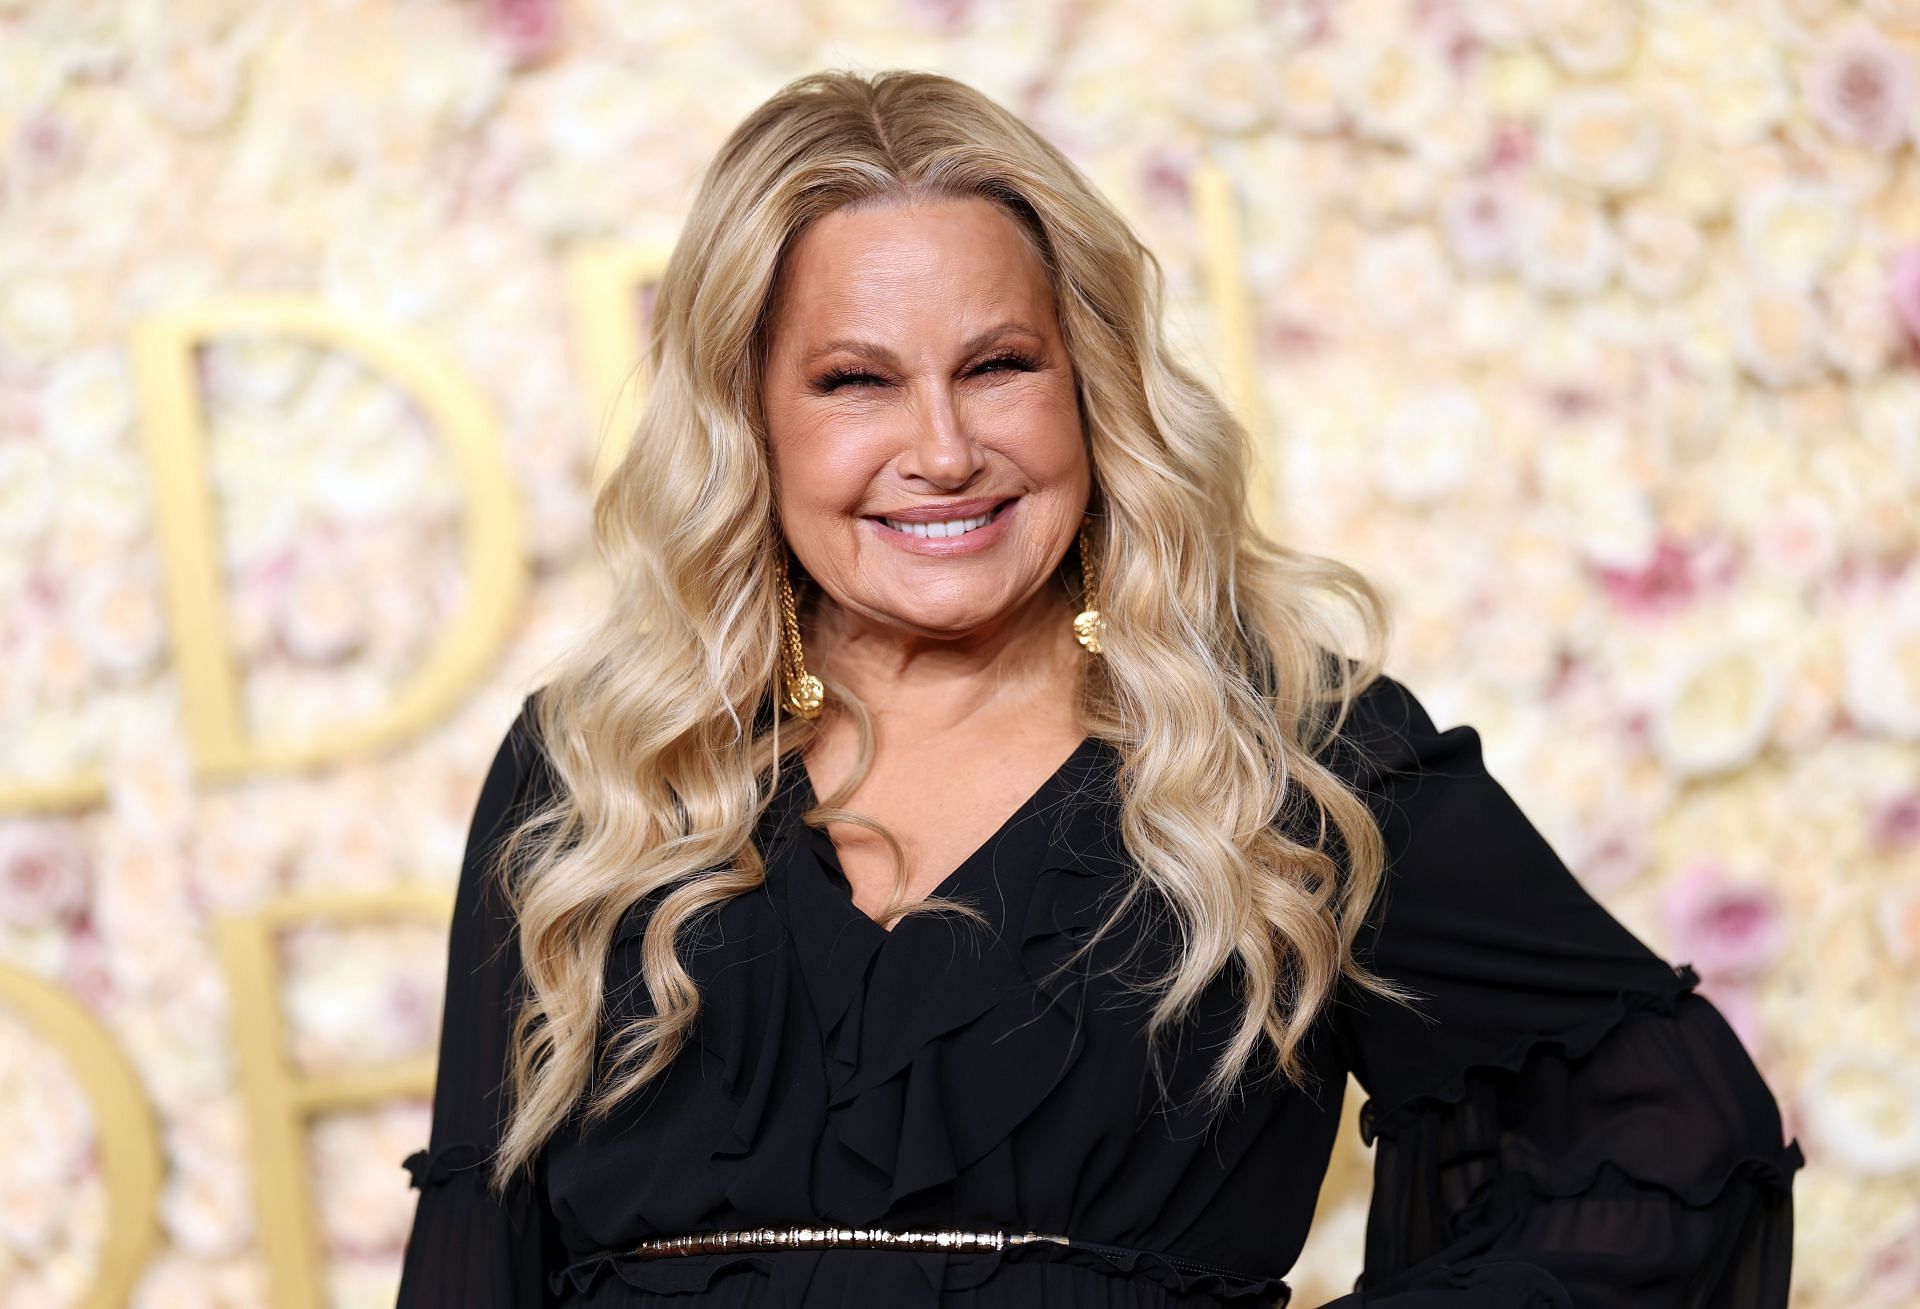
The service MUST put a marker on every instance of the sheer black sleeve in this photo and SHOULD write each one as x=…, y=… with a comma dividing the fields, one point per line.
x=470, y=1248
x=1566, y=1123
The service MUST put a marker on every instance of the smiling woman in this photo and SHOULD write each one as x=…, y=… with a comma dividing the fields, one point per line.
x=921, y=410
x=930, y=472
x=1117, y=866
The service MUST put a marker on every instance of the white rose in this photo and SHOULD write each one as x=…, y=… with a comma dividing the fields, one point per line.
x=1403, y=280
x=38, y=319
x=1662, y=251
x=1776, y=331
x=1794, y=232
x=1588, y=38
x=1313, y=86
x=86, y=406
x=1863, y=1107
x=1226, y=83
x=1565, y=243
x=323, y=616
x=1883, y=673
x=1401, y=85
x=28, y=487
x=1717, y=710
x=1429, y=445
x=1601, y=137
x=119, y=622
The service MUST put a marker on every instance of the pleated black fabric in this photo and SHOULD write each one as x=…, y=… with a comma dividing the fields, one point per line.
x=1565, y=1123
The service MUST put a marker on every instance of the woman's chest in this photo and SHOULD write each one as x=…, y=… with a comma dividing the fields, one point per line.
x=946, y=1072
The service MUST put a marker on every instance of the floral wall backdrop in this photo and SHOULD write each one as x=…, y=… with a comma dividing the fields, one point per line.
x=1590, y=330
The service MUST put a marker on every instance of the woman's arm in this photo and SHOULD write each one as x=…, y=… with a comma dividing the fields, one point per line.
x=470, y=1248
x=1569, y=1124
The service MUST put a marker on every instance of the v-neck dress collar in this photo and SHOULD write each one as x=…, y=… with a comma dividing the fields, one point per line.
x=881, y=997
x=845, y=1075
x=1071, y=772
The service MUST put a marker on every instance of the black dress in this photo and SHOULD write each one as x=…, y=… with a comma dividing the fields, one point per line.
x=1571, y=1125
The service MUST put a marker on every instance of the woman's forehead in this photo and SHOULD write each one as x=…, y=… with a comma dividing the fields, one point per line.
x=948, y=257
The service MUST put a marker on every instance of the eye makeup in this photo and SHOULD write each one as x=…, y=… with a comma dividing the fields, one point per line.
x=1005, y=361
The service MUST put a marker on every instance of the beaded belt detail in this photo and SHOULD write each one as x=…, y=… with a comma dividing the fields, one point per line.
x=938, y=1239
x=820, y=1238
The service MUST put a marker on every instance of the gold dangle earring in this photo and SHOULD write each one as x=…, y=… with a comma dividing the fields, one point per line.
x=805, y=694
x=1089, y=625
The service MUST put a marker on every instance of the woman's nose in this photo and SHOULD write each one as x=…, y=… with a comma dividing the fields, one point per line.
x=941, y=448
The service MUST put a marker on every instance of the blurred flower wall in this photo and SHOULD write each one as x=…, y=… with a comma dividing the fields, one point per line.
x=1590, y=330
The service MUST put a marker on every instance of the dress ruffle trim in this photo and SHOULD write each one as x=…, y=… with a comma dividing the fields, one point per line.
x=1572, y=1043
x=997, y=1013
x=1747, y=1163
x=897, y=1023
x=679, y=1275
x=434, y=1166
x=463, y=1164
x=1772, y=1172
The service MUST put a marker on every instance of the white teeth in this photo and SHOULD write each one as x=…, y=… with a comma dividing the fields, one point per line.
x=951, y=527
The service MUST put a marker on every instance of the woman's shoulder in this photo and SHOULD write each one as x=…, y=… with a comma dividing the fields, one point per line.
x=524, y=735
x=521, y=776
x=1384, y=731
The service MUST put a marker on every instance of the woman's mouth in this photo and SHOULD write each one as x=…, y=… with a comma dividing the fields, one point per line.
x=947, y=527
x=963, y=534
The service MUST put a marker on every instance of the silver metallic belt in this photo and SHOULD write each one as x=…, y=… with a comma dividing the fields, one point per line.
x=821, y=1238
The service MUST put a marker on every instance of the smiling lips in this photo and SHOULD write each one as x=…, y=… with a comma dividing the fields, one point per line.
x=950, y=527
x=938, y=522
x=949, y=530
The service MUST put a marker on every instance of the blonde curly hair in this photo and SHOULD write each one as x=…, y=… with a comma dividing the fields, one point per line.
x=1217, y=686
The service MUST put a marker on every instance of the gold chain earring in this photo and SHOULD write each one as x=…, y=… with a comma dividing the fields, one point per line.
x=1089, y=625
x=805, y=694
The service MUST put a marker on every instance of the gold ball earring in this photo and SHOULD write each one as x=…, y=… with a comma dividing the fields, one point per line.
x=804, y=693
x=1088, y=625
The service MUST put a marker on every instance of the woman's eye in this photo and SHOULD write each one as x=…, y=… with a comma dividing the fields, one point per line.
x=834, y=380
x=839, y=377
x=1007, y=363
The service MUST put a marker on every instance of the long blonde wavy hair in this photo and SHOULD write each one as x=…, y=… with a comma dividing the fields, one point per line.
x=1216, y=685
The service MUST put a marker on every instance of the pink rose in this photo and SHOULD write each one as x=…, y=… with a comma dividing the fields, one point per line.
x=1861, y=90
x=1895, y=821
x=1674, y=577
x=43, y=874
x=1729, y=931
x=1480, y=219
x=1903, y=289
x=530, y=29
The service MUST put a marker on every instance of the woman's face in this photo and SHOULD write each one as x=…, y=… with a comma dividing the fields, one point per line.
x=921, y=415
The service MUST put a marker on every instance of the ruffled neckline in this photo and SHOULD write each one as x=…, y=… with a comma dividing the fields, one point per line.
x=899, y=1010
x=899, y=1014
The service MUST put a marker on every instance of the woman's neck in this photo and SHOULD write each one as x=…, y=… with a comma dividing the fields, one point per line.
x=926, y=686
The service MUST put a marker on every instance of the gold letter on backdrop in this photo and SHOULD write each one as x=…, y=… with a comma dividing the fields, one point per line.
x=494, y=559
x=1226, y=283
x=123, y=1125
x=605, y=287
x=279, y=1100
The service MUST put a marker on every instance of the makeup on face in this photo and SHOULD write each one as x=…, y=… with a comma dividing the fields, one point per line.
x=922, y=417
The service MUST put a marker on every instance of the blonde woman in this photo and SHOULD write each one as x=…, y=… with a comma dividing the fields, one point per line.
x=958, y=868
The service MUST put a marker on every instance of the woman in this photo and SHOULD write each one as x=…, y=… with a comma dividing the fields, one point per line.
x=956, y=869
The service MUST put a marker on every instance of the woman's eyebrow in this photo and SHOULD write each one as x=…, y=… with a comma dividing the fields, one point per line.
x=874, y=350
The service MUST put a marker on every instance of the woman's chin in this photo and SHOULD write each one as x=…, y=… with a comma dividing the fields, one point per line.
x=950, y=622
